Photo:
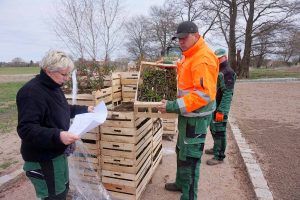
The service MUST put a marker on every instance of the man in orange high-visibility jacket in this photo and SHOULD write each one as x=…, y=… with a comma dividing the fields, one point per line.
x=197, y=81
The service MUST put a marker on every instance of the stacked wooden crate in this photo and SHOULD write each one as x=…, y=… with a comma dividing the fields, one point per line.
x=129, y=86
x=111, y=94
x=170, y=127
x=114, y=81
x=86, y=162
x=126, y=150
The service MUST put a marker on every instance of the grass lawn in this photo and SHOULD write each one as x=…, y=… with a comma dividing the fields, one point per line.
x=8, y=109
x=274, y=73
x=19, y=70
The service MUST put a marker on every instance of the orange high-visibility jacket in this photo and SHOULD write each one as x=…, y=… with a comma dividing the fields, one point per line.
x=197, y=78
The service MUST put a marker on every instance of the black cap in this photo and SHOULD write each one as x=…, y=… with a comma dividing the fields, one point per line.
x=184, y=28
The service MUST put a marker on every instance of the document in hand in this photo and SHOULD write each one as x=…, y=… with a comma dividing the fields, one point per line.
x=83, y=123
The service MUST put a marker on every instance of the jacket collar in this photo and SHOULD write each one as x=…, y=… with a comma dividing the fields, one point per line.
x=47, y=81
x=194, y=48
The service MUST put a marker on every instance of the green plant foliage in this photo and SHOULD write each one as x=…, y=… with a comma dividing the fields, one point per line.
x=157, y=85
x=90, y=77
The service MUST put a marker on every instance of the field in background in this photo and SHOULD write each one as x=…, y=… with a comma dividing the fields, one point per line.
x=8, y=110
x=280, y=72
x=19, y=70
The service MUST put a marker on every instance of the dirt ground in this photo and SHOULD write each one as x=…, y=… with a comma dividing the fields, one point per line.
x=227, y=181
x=268, y=115
x=15, y=78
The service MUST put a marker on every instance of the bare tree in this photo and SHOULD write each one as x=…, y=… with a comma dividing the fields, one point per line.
x=111, y=23
x=245, y=21
x=91, y=29
x=163, y=25
x=68, y=25
x=138, y=44
x=194, y=10
x=256, y=15
x=227, y=12
x=89, y=26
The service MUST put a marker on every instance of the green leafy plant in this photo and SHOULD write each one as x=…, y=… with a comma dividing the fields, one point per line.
x=157, y=84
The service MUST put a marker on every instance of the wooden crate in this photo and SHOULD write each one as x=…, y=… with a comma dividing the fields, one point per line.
x=112, y=80
x=149, y=109
x=129, y=92
x=170, y=126
x=119, y=140
x=126, y=134
x=111, y=94
x=129, y=78
x=86, y=158
x=126, y=165
x=125, y=150
x=127, y=186
x=94, y=98
x=116, y=94
x=129, y=86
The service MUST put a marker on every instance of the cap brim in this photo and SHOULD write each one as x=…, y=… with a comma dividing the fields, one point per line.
x=179, y=35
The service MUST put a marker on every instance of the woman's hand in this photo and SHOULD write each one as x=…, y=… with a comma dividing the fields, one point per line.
x=91, y=109
x=68, y=138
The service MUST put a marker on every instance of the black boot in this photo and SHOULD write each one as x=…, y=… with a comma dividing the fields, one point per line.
x=172, y=187
x=209, y=151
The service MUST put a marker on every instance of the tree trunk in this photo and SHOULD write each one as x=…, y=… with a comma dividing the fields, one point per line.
x=260, y=60
x=244, y=69
x=232, y=39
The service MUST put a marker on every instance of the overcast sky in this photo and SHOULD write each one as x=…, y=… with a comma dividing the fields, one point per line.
x=25, y=31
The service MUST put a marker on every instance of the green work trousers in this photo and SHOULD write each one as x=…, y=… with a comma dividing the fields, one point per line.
x=218, y=131
x=49, y=178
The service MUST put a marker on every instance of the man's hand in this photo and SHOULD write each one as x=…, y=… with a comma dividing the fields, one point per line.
x=219, y=117
x=162, y=106
x=68, y=138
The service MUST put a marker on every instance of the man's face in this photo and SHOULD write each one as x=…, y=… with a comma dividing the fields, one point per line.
x=188, y=41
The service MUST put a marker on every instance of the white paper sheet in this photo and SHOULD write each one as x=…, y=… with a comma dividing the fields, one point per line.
x=83, y=123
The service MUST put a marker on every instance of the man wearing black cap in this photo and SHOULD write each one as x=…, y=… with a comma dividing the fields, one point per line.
x=197, y=81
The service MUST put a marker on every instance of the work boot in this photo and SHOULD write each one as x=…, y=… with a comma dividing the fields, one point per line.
x=209, y=151
x=214, y=161
x=172, y=187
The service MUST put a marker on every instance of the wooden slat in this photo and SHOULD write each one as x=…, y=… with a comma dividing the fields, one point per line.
x=125, y=150
x=148, y=109
x=157, y=138
x=126, y=165
x=125, y=135
x=128, y=182
x=129, y=78
x=127, y=196
x=156, y=64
